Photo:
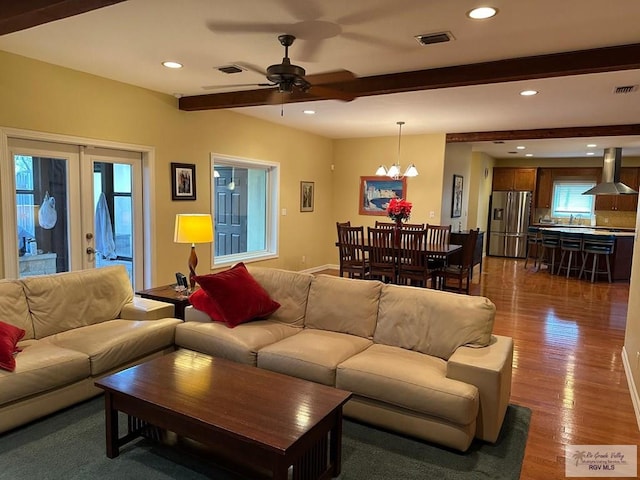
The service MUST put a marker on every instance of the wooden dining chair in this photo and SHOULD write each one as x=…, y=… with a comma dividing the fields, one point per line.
x=413, y=226
x=353, y=260
x=385, y=224
x=382, y=254
x=460, y=273
x=412, y=260
x=438, y=235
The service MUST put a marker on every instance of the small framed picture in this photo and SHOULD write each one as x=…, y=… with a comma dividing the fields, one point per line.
x=183, y=181
x=306, y=196
x=456, y=198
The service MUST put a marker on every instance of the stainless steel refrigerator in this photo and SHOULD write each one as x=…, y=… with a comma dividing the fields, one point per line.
x=508, y=223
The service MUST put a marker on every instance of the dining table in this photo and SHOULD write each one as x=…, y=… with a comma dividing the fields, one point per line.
x=432, y=251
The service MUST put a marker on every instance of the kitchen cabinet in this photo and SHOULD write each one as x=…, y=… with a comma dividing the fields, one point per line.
x=621, y=259
x=509, y=178
x=623, y=203
x=544, y=192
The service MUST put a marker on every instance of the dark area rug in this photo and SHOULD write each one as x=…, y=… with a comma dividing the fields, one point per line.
x=71, y=445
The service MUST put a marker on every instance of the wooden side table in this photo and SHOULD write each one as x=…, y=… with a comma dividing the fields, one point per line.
x=166, y=293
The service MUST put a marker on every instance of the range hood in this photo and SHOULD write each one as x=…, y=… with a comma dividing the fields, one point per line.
x=611, y=184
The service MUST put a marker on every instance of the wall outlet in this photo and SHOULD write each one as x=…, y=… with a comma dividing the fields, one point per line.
x=606, y=219
x=432, y=214
x=304, y=259
x=284, y=212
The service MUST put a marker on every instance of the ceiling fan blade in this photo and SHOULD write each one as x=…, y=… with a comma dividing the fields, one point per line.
x=380, y=13
x=309, y=51
x=337, y=76
x=303, y=10
x=374, y=41
x=247, y=27
x=319, y=90
x=253, y=68
x=237, y=85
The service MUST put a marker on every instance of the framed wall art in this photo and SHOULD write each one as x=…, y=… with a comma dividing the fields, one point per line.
x=456, y=197
x=376, y=192
x=307, y=192
x=183, y=181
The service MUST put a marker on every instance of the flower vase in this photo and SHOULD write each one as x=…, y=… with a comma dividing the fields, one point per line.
x=396, y=233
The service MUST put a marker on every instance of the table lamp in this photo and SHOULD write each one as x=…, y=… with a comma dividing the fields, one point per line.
x=193, y=228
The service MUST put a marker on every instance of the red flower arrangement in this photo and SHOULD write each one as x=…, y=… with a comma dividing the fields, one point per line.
x=399, y=210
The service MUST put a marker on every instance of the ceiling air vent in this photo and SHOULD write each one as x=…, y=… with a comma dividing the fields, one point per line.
x=230, y=69
x=625, y=89
x=431, y=38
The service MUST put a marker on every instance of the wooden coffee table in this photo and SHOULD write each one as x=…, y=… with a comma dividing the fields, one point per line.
x=255, y=418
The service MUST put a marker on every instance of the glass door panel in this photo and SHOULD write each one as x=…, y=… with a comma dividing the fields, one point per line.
x=117, y=237
x=43, y=224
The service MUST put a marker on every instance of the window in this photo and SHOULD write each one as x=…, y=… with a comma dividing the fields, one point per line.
x=569, y=201
x=245, y=209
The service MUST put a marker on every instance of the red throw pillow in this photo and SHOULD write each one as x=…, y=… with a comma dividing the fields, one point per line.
x=9, y=338
x=203, y=302
x=236, y=296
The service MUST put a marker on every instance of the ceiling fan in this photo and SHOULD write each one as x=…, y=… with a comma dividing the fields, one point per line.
x=290, y=78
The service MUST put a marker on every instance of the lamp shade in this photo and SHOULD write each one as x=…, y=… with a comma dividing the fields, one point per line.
x=193, y=228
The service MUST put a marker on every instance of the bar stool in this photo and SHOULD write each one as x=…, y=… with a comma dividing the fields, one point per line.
x=570, y=242
x=534, y=240
x=597, y=245
x=550, y=243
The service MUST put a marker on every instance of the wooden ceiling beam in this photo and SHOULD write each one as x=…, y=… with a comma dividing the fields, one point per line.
x=581, y=62
x=16, y=15
x=545, y=133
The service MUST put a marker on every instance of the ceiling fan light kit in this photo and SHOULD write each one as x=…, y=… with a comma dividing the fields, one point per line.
x=395, y=169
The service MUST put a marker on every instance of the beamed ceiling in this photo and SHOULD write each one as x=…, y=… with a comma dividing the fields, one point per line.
x=575, y=53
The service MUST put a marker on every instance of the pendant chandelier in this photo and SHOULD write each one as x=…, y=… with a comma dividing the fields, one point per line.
x=394, y=170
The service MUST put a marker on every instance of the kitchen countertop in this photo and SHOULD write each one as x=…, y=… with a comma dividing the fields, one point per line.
x=588, y=230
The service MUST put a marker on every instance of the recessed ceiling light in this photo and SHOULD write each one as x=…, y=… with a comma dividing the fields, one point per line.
x=590, y=153
x=528, y=93
x=591, y=145
x=528, y=154
x=521, y=147
x=172, y=64
x=481, y=13
x=309, y=112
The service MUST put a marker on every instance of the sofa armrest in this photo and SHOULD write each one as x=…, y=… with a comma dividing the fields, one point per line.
x=146, y=309
x=192, y=314
x=489, y=369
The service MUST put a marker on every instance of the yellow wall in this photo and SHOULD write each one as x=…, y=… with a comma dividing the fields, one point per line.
x=354, y=158
x=42, y=97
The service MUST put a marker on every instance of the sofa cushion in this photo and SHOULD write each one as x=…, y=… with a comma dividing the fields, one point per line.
x=289, y=289
x=343, y=305
x=42, y=366
x=432, y=321
x=311, y=354
x=14, y=308
x=9, y=338
x=63, y=301
x=235, y=296
x=240, y=344
x=410, y=380
x=113, y=343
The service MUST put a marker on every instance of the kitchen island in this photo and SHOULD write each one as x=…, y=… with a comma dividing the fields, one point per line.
x=622, y=251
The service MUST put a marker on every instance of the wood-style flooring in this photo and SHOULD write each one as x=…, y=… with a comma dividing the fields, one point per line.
x=567, y=366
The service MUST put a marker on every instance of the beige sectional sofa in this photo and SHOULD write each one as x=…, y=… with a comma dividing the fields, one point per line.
x=78, y=326
x=419, y=361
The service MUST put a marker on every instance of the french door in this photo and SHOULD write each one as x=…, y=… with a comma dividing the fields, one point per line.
x=76, y=207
